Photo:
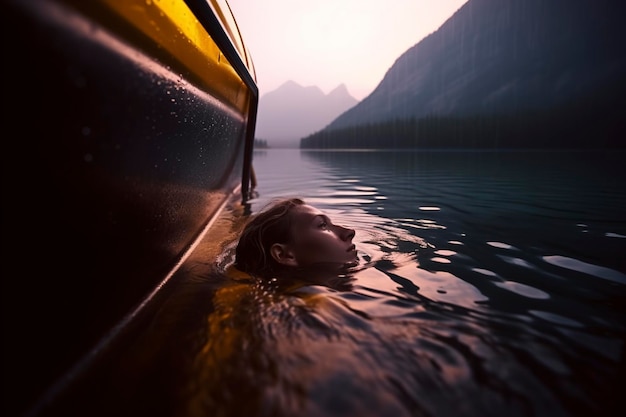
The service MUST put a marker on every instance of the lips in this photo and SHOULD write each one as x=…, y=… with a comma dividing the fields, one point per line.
x=351, y=248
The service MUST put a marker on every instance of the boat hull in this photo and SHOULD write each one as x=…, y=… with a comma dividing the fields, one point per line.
x=119, y=159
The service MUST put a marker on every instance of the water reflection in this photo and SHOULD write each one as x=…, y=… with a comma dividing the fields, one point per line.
x=580, y=266
x=316, y=350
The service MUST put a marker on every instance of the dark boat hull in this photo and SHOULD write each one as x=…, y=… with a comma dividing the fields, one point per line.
x=115, y=166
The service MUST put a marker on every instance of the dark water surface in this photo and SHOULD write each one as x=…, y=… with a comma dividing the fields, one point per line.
x=492, y=283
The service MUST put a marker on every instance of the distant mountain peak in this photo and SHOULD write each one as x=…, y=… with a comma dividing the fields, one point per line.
x=292, y=112
x=341, y=89
x=292, y=87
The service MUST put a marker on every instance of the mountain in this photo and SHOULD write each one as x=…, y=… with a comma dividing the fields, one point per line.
x=292, y=111
x=560, y=58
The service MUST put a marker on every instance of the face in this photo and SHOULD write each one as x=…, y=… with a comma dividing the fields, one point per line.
x=317, y=241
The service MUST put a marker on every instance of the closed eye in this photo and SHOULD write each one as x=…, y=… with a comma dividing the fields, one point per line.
x=323, y=222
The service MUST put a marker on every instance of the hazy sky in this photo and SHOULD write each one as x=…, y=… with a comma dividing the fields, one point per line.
x=330, y=42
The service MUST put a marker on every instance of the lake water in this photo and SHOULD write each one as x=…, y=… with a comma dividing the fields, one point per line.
x=491, y=283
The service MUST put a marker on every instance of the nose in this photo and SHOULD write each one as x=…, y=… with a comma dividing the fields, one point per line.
x=346, y=233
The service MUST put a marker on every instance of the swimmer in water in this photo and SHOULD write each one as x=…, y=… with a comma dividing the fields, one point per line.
x=291, y=239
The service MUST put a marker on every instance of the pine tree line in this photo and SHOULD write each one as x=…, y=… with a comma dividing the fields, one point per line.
x=575, y=126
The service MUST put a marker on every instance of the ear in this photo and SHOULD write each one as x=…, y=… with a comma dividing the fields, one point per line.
x=283, y=254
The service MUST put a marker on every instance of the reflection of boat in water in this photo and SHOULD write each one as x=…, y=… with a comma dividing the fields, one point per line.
x=131, y=126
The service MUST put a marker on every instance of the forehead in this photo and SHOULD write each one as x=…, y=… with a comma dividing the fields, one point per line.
x=305, y=213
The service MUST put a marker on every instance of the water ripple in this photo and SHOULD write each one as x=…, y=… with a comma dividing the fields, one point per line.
x=587, y=268
x=523, y=289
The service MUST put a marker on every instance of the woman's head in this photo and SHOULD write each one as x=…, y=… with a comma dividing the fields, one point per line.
x=291, y=235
